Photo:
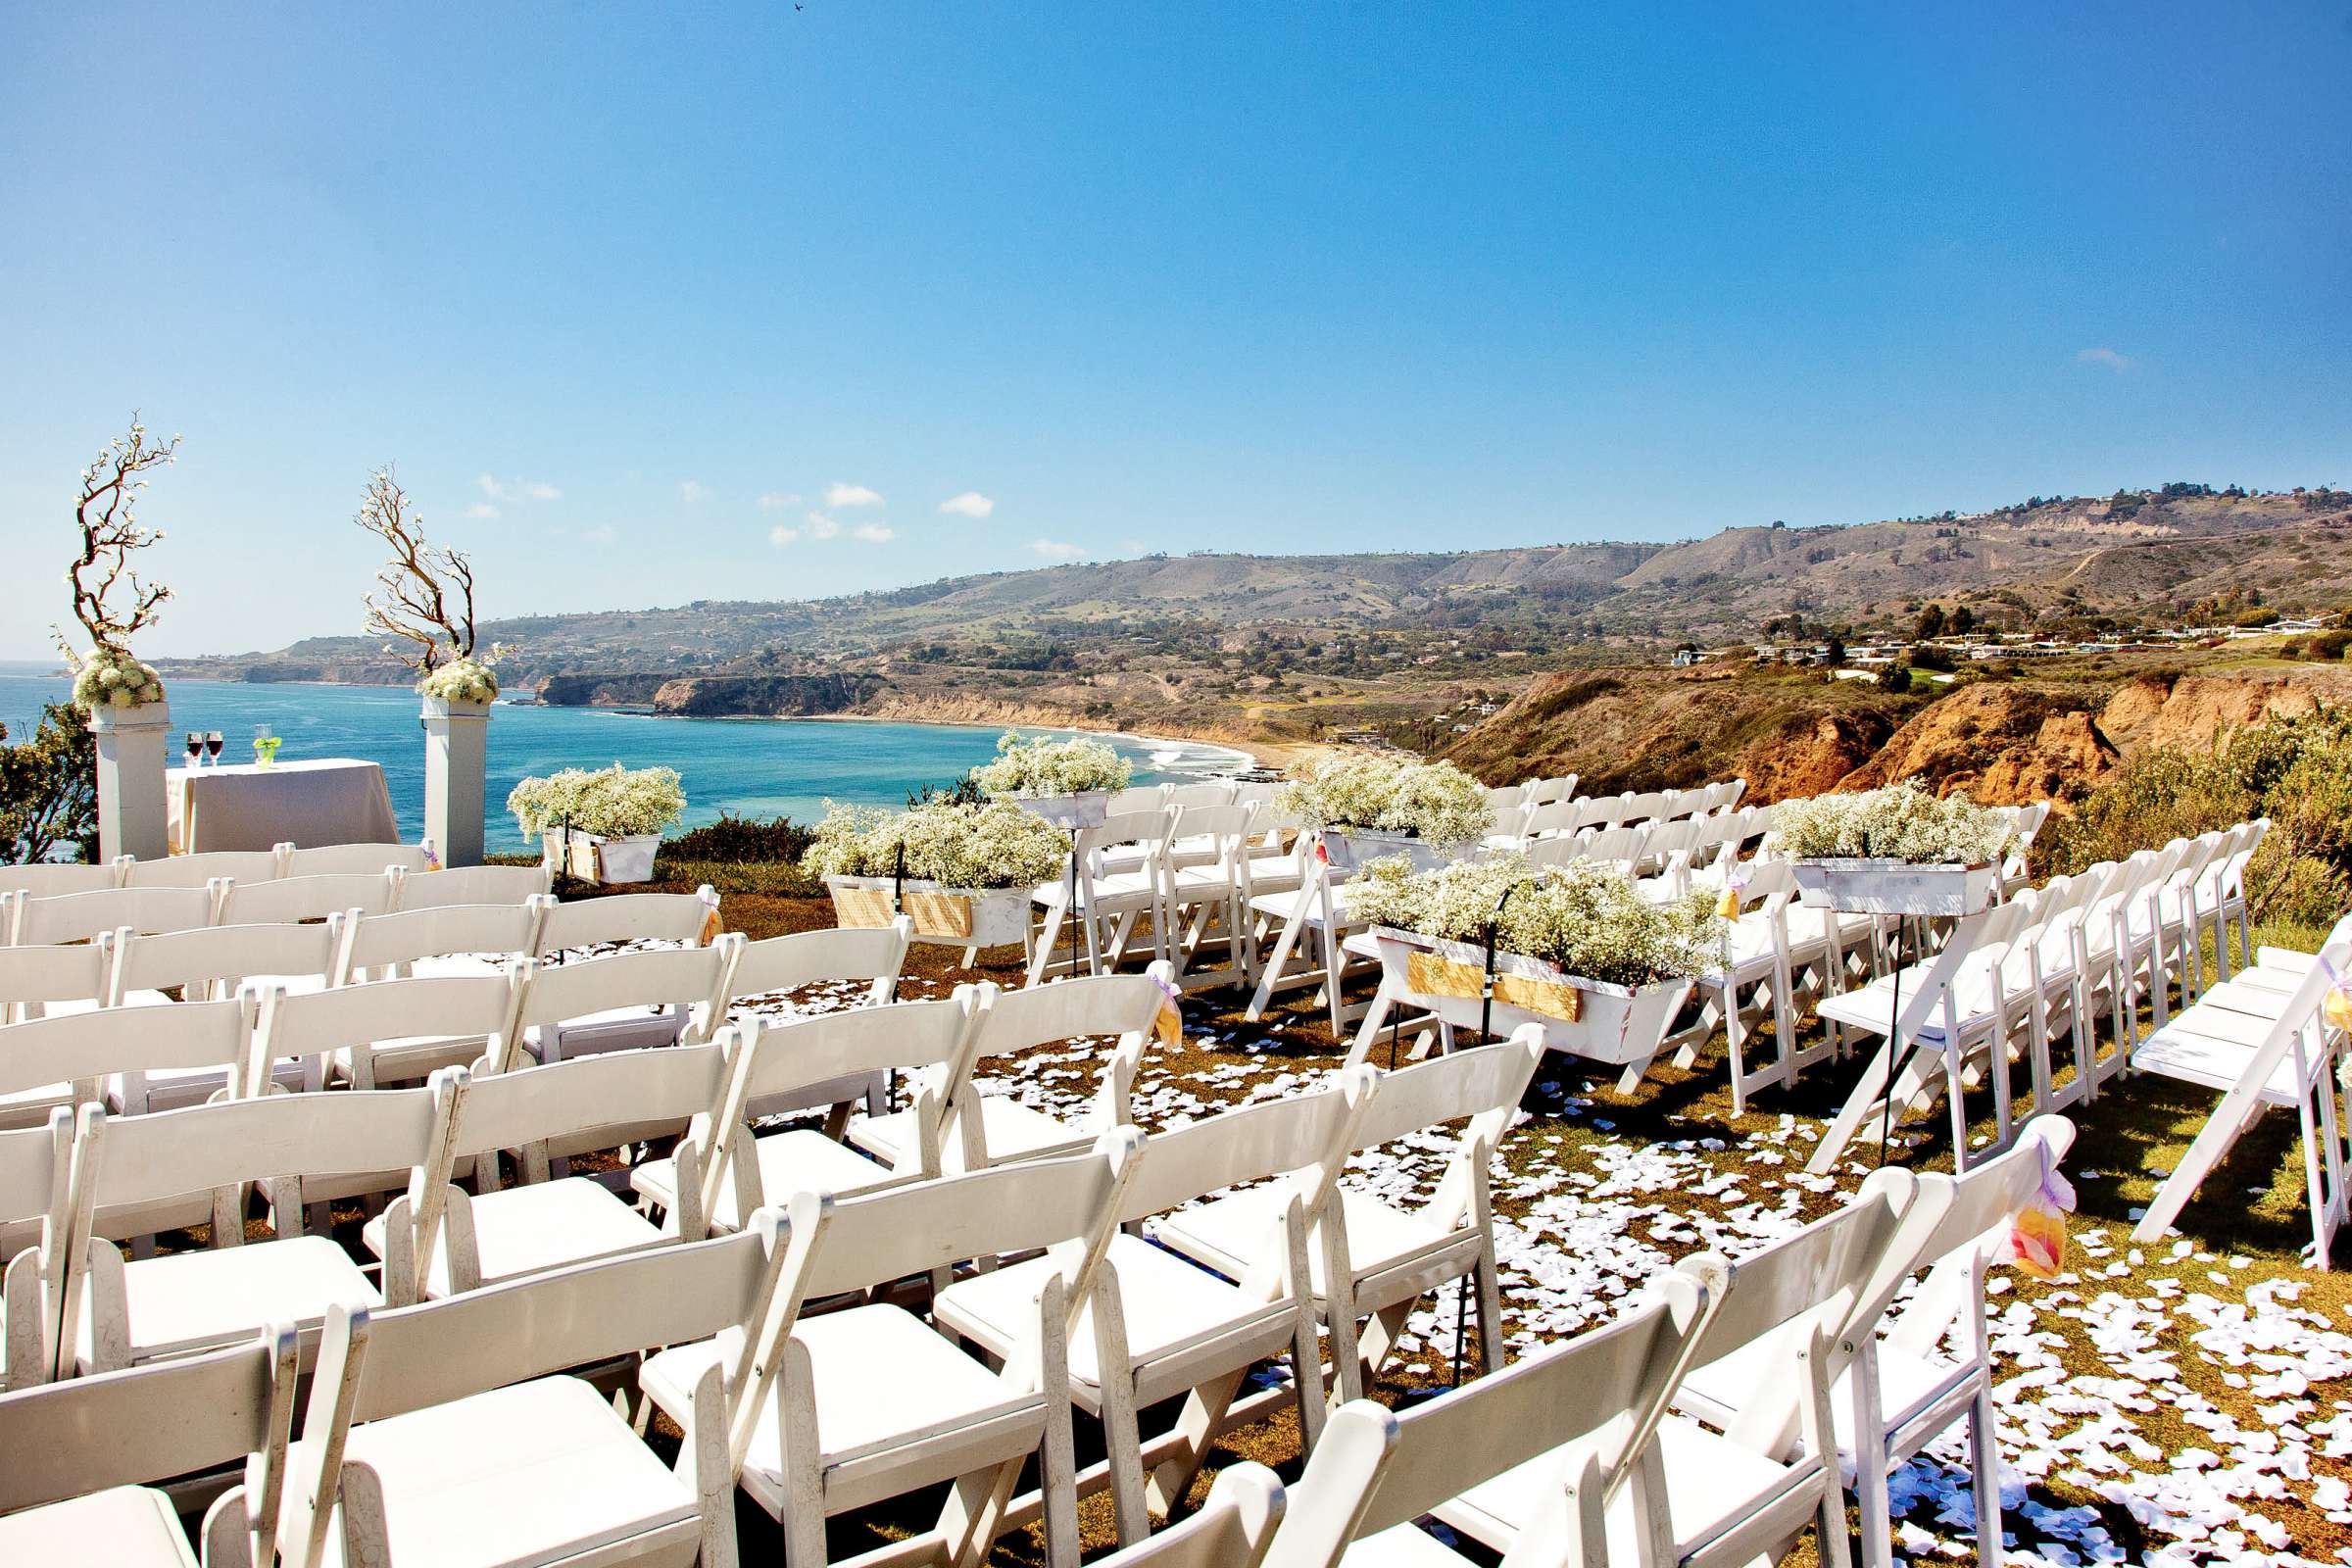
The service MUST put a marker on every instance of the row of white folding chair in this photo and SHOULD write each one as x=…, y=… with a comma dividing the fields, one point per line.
x=1118, y=882
x=195, y=870
x=221, y=900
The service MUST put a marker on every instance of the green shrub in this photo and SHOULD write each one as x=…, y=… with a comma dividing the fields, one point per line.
x=49, y=789
x=742, y=841
x=2297, y=772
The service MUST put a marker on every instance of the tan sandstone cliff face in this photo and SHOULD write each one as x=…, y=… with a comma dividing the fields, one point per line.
x=2003, y=741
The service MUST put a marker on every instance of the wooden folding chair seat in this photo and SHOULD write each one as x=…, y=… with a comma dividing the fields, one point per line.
x=1012, y=1022
x=1387, y=1256
x=1156, y=1327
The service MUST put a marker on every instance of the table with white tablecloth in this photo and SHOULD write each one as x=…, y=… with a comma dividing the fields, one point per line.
x=328, y=800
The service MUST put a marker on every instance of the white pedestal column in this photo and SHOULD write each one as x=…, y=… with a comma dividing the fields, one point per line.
x=131, y=814
x=455, y=766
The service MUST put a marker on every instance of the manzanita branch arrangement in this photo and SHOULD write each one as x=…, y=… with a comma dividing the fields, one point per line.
x=423, y=598
x=106, y=514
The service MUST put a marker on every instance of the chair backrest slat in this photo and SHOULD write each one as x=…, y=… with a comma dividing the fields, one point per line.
x=226, y=954
x=44, y=881
x=789, y=1054
x=668, y=976
x=87, y=1046
x=569, y=1101
x=1462, y=1083
x=625, y=917
x=31, y=976
x=174, y=1153
x=379, y=941
x=198, y=870
x=1095, y=1004
x=309, y=1023
x=337, y=859
x=811, y=957
x=472, y=884
x=1246, y=1142
x=83, y=916
x=304, y=898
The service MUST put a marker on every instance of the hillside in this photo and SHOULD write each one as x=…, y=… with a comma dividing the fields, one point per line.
x=1790, y=733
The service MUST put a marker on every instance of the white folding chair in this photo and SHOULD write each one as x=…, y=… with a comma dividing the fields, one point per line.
x=1120, y=878
x=1234, y=1528
x=767, y=971
x=735, y=1170
x=1212, y=880
x=475, y=1445
x=82, y=1455
x=1011, y=1023
x=680, y=918
x=154, y=1308
x=630, y=1001
x=2257, y=1061
x=1555, y=1454
x=1155, y=1327
x=304, y=898
x=457, y=939
x=472, y=884
x=213, y=962
x=42, y=1222
x=870, y=1403
x=1904, y=1388
x=1385, y=1256
x=85, y=917
x=387, y=1032
x=136, y=1060
x=438, y=1240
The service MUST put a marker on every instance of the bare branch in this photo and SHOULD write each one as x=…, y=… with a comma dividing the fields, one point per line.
x=105, y=513
x=411, y=602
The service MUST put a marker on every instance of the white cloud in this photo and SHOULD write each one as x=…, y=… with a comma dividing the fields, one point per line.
x=481, y=509
x=2118, y=363
x=970, y=503
x=602, y=534
x=693, y=491
x=780, y=536
x=822, y=526
x=778, y=500
x=873, y=533
x=1054, y=550
x=839, y=495
x=512, y=490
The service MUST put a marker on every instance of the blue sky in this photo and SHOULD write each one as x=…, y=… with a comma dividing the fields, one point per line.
x=610, y=284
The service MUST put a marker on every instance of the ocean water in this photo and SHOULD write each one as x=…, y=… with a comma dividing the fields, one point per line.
x=747, y=766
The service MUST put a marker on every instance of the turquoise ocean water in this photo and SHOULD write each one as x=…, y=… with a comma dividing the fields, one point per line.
x=751, y=768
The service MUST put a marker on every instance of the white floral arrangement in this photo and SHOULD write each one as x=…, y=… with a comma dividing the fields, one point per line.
x=1585, y=920
x=1041, y=769
x=109, y=677
x=1435, y=801
x=1901, y=822
x=472, y=679
x=990, y=845
x=613, y=803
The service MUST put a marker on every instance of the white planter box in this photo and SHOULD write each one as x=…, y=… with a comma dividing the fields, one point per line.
x=1348, y=849
x=613, y=861
x=1896, y=887
x=1068, y=810
x=958, y=917
x=1614, y=1025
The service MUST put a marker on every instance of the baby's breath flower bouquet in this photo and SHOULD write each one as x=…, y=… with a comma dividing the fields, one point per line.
x=616, y=801
x=1041, y=769
x=471, y=679
x=109, y=677
x=1433, y=802
x=1901, y=822
x=994, y=845
x=1584, y=919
